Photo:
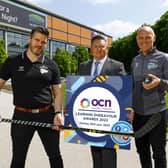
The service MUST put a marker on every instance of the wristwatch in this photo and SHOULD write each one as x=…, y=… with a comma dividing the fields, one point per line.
x=58, y=112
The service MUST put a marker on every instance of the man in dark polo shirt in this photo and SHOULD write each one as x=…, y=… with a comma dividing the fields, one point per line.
x=34, y=78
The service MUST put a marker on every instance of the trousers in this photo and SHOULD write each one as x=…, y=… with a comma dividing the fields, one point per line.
x=104, y=157
x=22, y=135
x=155, y=140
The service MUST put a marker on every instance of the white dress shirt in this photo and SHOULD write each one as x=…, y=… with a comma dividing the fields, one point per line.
x=99, y=66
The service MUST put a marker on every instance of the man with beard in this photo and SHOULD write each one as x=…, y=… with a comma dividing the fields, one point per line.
x=37, y=97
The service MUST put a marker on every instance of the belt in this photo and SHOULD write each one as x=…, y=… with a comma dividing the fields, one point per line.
x=42, y=109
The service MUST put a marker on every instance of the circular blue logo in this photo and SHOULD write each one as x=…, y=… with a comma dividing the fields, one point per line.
x=121, y=126
x=93, y=113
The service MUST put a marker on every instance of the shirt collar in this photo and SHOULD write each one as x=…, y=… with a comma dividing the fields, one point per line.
x=101, y=61
x=40, y=60
x=151, y=51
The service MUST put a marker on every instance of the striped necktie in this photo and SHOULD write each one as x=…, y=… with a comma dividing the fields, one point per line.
x=96, y=68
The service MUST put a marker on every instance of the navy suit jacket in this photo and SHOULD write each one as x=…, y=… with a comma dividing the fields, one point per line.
x=111, y=67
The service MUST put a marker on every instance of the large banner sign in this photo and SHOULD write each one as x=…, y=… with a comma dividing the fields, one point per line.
x=19, y=16
x=100, y=103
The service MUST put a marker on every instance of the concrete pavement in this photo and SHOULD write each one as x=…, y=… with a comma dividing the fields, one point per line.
x=74, y=156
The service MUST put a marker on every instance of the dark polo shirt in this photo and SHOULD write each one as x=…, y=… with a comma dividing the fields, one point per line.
x=31, y=81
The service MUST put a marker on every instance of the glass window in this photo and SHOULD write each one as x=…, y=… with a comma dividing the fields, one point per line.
x=47, y=49
x=16, y=43
x=1, y=35
x=55, y=45
x=70, y=48
x=17, y=40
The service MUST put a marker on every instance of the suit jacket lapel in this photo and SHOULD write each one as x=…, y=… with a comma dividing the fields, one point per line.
x=89, y=68
x=104, y=68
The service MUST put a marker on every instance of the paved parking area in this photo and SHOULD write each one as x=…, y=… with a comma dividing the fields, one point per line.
x=74, y=156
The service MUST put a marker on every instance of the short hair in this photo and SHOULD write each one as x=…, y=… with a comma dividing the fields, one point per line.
x=98, y=37
x=146, y=28
x=41, y=30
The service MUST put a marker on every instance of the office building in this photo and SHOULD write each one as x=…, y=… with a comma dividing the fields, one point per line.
x=17, y=18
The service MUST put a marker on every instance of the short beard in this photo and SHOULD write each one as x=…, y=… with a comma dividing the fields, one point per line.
x=36, y=53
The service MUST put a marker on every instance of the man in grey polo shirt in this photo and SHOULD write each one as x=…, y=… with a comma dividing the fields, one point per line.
x=150, y=73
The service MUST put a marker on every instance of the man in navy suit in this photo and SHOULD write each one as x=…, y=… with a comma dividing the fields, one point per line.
x=101, y=65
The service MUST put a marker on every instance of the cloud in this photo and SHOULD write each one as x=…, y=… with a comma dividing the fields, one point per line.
x=165, y=3
x=32, y=1
x=117, y=28
x=39, y=1
x=95, y=2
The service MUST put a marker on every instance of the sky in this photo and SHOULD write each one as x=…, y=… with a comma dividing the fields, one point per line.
x=117, y=18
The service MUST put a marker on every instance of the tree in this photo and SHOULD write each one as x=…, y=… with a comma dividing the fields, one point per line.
x=124, y=49
x=161, y=30
x=67, y=62
x=74, y=64
x=81, y=54
x=3, y=54
x=62, y=58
